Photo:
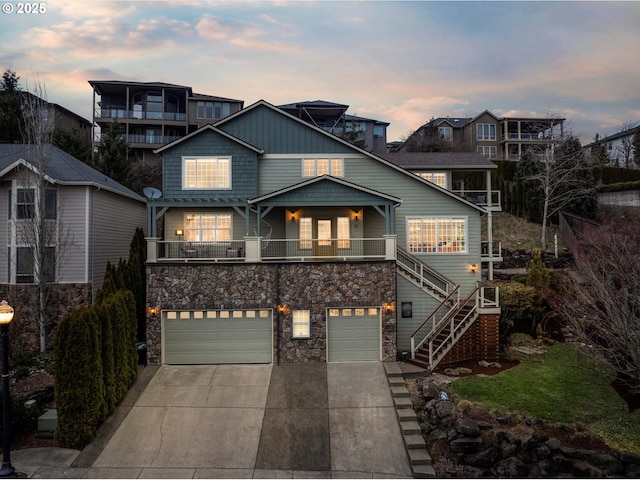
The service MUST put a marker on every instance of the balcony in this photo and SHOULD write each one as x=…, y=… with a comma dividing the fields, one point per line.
x=121, y=113
x=480, y=198
x=258, y=249
x=152, y=139
x=491, y=251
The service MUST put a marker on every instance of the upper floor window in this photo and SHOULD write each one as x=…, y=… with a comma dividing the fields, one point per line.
x=438, y=178
x=209, y=227
x=486, y=131
x=445, y=133
x=315, y=167
x=206, y=173
x=489, y=152
x=25, y=202
x=379, y=131
x=437, y=234
x=213, y=110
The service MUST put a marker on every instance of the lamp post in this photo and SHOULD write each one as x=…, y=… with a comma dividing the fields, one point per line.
x=6, y=315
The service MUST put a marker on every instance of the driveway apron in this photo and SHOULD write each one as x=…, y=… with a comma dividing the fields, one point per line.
x=250, y=421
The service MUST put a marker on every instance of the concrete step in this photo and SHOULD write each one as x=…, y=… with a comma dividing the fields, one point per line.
x=423, y=471
x=414, y=441
x=410, y=427
x=403, y=402
x=406, y=414
x=400, y=392
x=397, y=382
x=419, y=457
x=393, y=369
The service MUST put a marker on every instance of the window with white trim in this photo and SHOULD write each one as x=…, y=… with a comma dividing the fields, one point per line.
x=25, y=202
x=437, y=234
x=438, y=178
x=206, y=173
x=315, y=167
x=301, y=324
x=306, y=232
x=209, y=227
x=344, y=233
x=488, y=151
x=486, y=131
x=445, y=133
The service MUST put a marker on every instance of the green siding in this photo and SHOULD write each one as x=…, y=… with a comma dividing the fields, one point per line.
x=422, y=306
x=274, y=132
x=244, y=183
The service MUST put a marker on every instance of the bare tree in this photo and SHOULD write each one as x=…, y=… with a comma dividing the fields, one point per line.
x=40, y=236
x=604, y=311
x=624, y=149
x=563, y=178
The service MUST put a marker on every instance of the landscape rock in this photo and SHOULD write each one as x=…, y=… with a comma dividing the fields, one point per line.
x=467, y=426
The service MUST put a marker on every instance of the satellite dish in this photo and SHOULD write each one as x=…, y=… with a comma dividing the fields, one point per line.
x=151, y=192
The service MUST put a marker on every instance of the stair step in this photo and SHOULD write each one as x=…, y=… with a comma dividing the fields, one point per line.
x=397, y=381
x=423, y=471
x=400, y=392
x=419, y=457
x=414, y=441
x=406, y=414
x=410, y=427
x=392, y=369
x=403, y=402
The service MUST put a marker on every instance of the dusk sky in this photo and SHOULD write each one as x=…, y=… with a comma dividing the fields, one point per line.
x=400, y=62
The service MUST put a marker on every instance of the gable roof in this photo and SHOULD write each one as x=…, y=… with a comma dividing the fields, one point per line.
x=482, y=113
x=212, y=128
x=456, y=122
x=323, y=179
x=439, y=160
x=60, y=168
x=265, y=104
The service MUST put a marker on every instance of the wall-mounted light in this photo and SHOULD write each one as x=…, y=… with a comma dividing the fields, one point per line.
x=355, y=216
x=292, y=216
x=473, y=268
x=388, y=307
x=282, y=309
x=152, y=311
x=179, y=233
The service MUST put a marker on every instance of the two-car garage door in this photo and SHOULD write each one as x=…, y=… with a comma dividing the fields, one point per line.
x=217, y=336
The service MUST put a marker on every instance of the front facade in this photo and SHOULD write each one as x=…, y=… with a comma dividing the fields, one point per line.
x=89, y=220
x=275, y=241
x=154, y=113
x=494, y=137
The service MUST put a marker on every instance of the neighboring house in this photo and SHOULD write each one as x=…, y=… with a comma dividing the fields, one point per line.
x=154, y=113
x=333, y=118
x=91, y=220
x=494, y=137
x=276, y=241
x=619, y=147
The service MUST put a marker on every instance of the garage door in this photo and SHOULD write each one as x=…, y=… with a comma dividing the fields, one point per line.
x=217, y=336
x=353, y=334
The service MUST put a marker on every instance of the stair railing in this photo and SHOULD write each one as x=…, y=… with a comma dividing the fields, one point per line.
x=432, y=320
x=414, y=266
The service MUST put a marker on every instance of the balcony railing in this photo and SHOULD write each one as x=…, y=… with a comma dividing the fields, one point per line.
x=121, y=113
x=480, y=198
x=257, y=249
x=491, y=250
x=152, y=139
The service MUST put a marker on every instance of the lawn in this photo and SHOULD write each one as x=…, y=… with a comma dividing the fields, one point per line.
x=517, y=233
x=560, y=386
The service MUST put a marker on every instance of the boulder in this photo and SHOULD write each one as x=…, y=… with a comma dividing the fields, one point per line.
x=467, y=427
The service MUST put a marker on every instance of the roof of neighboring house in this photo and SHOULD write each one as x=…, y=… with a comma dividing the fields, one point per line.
x=313, y=104
x=60, y=168
x=105, y=86
x=438, y=160
x=457, y=122
x=202, y=96
x=354, y=118
x=615, y=136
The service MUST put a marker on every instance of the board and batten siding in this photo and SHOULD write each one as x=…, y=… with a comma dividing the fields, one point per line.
x=275, y=132
x=114, y=220
x=210, y=144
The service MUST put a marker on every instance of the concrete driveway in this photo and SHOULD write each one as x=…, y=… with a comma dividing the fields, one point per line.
x=260, y=421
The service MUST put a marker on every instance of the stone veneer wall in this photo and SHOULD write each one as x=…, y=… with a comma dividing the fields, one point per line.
x=313, y=286
x=24, y=332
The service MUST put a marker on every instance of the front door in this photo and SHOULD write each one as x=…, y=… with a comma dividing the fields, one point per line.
x=325, y=245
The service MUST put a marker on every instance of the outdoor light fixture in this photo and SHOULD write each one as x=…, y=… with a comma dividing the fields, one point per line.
x=293, y=216
x=388, y=307
x=474, y=268
x=282, y=309
x=6, y=315
x=152, y=311
x=179, y=232
x=355, y=216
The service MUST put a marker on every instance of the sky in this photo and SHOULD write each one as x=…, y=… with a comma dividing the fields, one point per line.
x=399, y=62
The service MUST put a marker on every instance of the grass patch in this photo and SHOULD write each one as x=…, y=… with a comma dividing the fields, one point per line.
x=561, y=386
x=517, y=233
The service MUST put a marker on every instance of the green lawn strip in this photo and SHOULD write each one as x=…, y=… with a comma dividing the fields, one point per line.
x=621, y=432
x=559, y=386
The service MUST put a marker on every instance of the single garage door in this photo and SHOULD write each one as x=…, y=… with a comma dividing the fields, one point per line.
x=353, y=334
x=217, y=336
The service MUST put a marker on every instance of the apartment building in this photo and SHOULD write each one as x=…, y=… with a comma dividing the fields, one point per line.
x=154, y=113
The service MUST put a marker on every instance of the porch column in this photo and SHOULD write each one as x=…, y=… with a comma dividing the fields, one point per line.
x=389, y=247
x=252, y=249
x=152, y=249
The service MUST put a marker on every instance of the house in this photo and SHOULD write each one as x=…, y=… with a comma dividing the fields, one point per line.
x=89, y=220
x=274, y=240
x=332, y=117
x=494, y=137
x=618, y=147
x=154, y=113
